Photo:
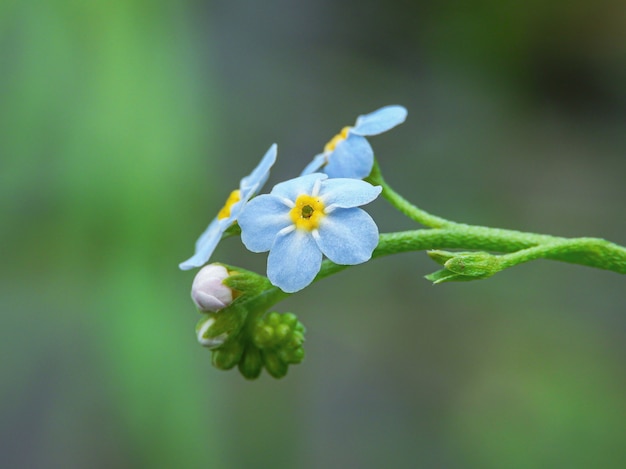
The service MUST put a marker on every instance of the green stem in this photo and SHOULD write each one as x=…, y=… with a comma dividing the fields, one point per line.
x=403, y=205
x=592, y=252
x=519, y=246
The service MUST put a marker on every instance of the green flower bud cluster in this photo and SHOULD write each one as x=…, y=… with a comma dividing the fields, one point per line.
x=280, y=339
x=273, y=342
x=241, y=334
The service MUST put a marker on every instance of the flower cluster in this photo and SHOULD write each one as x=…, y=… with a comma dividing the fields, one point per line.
x=313, y=226
x=300, y=221
x=308, y=216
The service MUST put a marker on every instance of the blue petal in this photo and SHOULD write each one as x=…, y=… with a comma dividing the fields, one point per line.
x=294, y=187
x=261, y=220
x=206, y=244
x=249, y=185
x=258, y=177
x=380, y=121
x=315, y=165
x=352, y=158
x=294, y=261
x=348, y=236
x=347, y=193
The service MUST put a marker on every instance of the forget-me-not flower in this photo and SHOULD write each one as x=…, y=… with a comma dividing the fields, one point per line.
x=348, y=154
x=227, y=216
x=307, y=217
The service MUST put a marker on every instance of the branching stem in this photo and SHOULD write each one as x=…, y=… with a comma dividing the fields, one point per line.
x=516, y=247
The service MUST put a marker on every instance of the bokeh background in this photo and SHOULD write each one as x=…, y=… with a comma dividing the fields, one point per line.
x=124, y=124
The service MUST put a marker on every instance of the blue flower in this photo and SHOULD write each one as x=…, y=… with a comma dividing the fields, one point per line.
x=227, y=216
x=349, y=154
x=307, y=217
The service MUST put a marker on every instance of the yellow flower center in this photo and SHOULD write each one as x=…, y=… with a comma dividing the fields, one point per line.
x=307, y=213
x=330, y=146
x=233, y=198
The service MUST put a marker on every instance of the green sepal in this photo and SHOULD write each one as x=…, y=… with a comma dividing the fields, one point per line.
x=441, y=257
x=232, y=230
x=212, y=337
x=445, y=275
x=229, y=321
x=246, y=282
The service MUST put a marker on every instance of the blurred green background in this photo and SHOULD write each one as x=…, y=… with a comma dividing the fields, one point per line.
x=124, y=125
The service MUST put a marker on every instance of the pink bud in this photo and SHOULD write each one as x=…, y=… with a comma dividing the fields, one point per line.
x=208, y=292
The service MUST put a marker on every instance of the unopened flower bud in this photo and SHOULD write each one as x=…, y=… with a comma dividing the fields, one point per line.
x=204, y=334
x=274, y=365
x=208, y=290
x=464, y=266
x=228, y=356
x=474, y=264
x=251, y=363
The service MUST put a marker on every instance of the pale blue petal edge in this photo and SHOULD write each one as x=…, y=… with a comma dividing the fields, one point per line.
x=352, y=158
x=258, y=176
x=292, y=188
x=249, y=185
x=206, y=244
x=347, y=193
x=294, y=261
x=315, y=165
x=380, y=121
x=261, y=220
x=348, y=236
x=253, y=182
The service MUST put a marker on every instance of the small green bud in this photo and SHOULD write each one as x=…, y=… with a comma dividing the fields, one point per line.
x=474, y=264
x=227, y=356
x=279, y=337
x=251, y=363
x=273, y=319
x=463, y=266
x=263, y=334
x=276, y=330
x=274, y=365
x=292, y=355
x=283, y=331
x=291, y=320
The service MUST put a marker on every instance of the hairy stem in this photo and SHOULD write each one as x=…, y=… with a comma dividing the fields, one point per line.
x=517, y=246
x=403, y=205
x=524, y=247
